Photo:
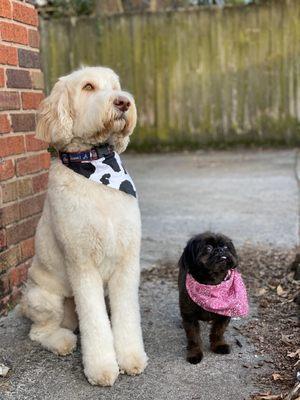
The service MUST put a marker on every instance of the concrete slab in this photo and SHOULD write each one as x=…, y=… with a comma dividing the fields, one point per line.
x=40, y=375
x=251, y=196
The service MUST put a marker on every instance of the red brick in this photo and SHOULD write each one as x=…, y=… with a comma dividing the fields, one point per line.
x=27, y=248
x=8, y=55
x=15, y=296
x=31, y=101
x=18, y=275
x=45, y=159
x=34, y=38
x=25, y=187
x=2, y=239
x=18, y=78
x=29, y=165
x=9, y=191
x=15, y=33
x=7, y=169
x=11, y=145
x=2, y=77
x=32, y=206
x=29, y=58
x=9, y=214
x=40, y=182
x=25, y=14
x=33, y=144
x=10, y=258
x=6, y=9
x=4, y=123
x=23, y=122
x=9, y=101
x=21, y=231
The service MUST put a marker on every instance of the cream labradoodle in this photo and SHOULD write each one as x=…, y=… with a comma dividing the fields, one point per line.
x=88, y=238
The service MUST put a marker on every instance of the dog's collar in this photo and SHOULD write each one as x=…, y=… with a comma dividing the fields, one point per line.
x=101, y=164
x=95, y=153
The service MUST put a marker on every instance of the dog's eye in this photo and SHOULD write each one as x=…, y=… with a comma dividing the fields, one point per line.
x=88, y=87
x=209, y=248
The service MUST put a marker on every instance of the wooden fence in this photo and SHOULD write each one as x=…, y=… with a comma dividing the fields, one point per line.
x=206, y=76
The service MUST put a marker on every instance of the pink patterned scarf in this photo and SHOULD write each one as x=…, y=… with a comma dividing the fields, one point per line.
x=228, y=298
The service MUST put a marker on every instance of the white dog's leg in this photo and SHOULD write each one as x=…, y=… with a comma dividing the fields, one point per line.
x=125, y=317
x=99, y=359
x=45, y=309
x=70, y=320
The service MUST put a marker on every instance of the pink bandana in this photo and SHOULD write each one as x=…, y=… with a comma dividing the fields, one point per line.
x=228, y=298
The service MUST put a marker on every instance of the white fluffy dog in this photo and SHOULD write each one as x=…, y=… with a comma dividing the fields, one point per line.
x=88, y=238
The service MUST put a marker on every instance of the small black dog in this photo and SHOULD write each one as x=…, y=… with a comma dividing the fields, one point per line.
x=208, y=259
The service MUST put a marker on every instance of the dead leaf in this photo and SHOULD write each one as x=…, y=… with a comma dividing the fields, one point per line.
x=277, y=377
x=292, y=354
x=3, y=370
x=262, y=291
x=280, y=290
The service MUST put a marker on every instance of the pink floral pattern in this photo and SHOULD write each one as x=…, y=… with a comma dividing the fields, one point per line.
x=228, y=298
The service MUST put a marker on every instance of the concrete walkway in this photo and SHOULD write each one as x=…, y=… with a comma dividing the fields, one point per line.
x=251, y=196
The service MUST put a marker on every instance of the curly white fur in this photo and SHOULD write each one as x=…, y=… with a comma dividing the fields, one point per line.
x=88, y=238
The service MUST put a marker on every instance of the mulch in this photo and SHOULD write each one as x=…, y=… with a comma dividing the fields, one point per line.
x=275, y=327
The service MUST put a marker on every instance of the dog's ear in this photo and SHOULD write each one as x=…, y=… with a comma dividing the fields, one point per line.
x=232, y=249
x=191, y=253
x=54, y=122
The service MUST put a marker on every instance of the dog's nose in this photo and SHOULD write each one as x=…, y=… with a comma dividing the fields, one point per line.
x=122, y=103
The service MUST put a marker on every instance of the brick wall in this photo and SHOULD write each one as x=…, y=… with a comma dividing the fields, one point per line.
x=24, y=161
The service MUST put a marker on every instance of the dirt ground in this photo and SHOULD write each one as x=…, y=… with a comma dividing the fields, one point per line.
x=275, y=328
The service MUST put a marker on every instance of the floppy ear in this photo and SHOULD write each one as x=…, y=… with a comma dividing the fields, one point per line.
x=190, y=253
x=54, y=122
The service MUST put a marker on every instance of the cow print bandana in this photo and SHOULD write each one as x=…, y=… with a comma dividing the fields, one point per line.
x=107, y=170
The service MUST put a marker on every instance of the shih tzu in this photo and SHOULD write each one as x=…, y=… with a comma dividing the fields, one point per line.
x=210, y=289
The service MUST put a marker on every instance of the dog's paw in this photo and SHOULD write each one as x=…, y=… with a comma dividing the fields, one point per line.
x=194, y=358
x=133, y=363
x=223, y=348
x=67, y=343
x=61, y=342
x=106, y=375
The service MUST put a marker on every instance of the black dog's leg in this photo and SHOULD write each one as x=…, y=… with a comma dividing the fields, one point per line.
x=194, y=346
x=217, y=341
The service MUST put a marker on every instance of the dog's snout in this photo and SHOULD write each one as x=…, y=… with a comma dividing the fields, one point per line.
x=220, y=251
x=122, y=103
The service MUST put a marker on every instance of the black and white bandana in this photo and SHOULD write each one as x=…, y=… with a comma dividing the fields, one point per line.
x=101, y=165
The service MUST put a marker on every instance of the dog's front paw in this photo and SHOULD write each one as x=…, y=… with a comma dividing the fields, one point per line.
x=133, y=363
x=222, y=348
x=194, y=358
x=102, y=375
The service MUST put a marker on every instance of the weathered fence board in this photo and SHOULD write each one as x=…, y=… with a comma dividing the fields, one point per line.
x=206, y=76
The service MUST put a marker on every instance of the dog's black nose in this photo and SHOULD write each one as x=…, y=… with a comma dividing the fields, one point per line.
x=122, y=103
x=220, y=251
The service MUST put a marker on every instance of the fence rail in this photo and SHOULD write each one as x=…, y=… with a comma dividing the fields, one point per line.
x=211, y=76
